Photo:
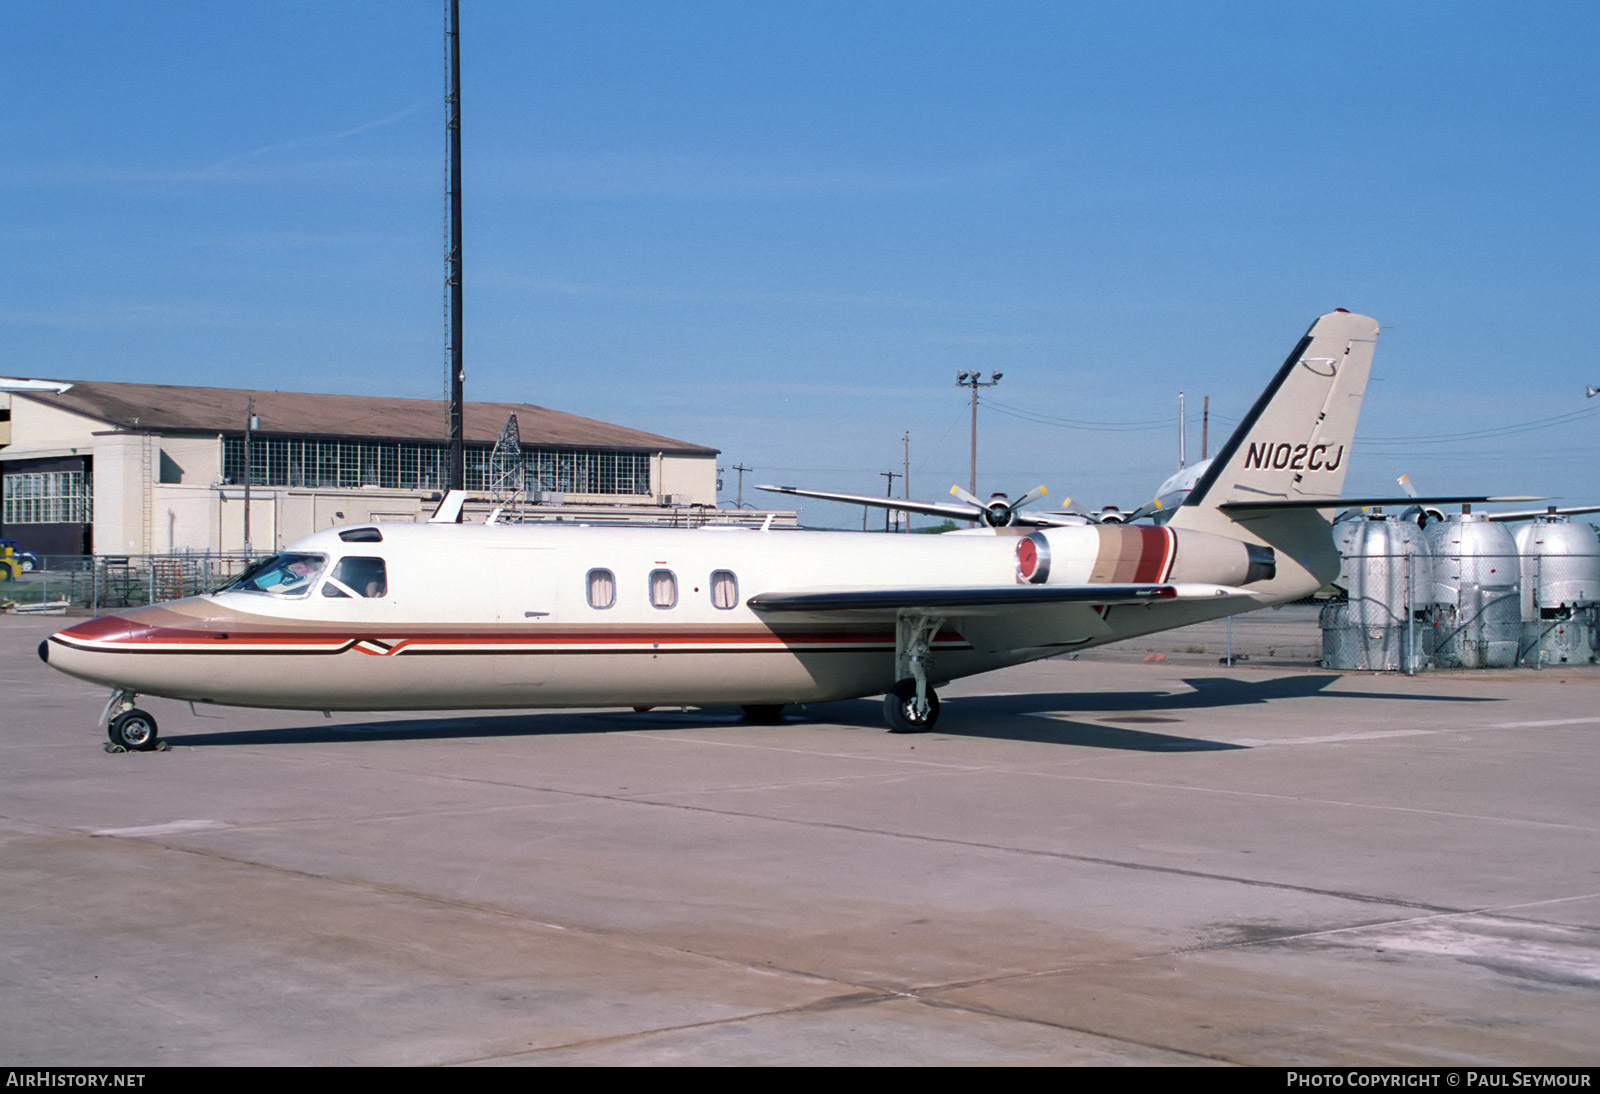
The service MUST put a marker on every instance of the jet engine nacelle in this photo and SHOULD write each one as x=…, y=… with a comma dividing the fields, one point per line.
x=1138, y=555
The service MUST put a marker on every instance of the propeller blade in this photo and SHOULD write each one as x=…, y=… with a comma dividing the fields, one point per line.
x=1031, y=496
x=970, y=499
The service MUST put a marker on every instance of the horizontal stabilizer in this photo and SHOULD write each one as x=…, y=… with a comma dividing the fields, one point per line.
x=1354, y=503
x=1552, y=511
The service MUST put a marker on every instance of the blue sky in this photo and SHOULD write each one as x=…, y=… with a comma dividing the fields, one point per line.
x=781, y=229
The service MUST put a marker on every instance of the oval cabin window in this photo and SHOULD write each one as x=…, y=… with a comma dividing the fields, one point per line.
x=602, y=588
x=663, y=588
x=724, y=590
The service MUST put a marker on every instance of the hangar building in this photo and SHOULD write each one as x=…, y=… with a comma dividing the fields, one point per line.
x=111, y=468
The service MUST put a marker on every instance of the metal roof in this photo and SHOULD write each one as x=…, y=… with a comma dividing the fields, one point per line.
x=169, y=408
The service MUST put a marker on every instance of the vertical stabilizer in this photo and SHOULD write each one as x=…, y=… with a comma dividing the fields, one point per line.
x=1294, y=443
x=1293, y=446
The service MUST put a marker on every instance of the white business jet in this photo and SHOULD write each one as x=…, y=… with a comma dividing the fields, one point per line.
x=445, y=616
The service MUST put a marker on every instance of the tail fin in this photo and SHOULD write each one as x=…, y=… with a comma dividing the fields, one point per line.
x=1291, y=449
x=1294, y=445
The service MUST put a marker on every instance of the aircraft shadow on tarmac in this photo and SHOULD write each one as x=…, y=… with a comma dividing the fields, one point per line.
x=1091, y=719
x=1107, y=719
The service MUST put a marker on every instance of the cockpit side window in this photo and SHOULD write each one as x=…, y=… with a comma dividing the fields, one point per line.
x=286, y=575
x=358, y=576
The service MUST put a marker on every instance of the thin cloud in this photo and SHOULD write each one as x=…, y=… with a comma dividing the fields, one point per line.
x=701, y=176
x=327, y=141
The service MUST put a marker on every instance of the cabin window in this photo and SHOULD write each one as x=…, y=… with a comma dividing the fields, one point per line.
x=602, y=588
x=663, y=588
x=358, y=576
x=290, y=575
x=724, y=590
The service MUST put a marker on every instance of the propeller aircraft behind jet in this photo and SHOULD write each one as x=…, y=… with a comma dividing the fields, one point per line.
x=501, y=616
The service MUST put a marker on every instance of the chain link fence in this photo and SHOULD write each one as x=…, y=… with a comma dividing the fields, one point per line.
x=102, y=583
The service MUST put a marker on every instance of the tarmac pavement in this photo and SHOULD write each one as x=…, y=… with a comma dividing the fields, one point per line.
x=1109, y=860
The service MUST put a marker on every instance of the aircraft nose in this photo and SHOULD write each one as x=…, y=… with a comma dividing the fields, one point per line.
x=107, y=628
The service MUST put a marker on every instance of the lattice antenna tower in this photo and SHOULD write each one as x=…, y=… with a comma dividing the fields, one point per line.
x=508, y=476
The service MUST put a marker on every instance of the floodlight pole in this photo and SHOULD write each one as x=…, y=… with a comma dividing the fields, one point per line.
x=458, y=454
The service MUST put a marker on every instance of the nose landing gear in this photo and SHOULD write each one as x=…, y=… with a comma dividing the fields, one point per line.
x=128, y=728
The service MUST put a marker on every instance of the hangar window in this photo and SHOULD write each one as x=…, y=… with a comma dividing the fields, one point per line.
x=663, y=588
x=48, y=497
x=358, y=576
x=602, y=588
x=724, y=590
x=312, y=461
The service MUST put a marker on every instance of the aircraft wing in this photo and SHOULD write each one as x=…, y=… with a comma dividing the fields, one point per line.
x=980, y=600
x=951, y=510
x=905, y=505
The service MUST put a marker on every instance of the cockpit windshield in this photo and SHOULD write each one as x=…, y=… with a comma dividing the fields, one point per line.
x=280, y=575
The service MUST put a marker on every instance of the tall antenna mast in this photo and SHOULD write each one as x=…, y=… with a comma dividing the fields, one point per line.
x=452, y=126
x=508, y=478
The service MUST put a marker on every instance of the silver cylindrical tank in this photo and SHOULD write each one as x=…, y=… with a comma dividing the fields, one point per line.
x=1476, y=586
x=1385, y=568
x=1560, y=591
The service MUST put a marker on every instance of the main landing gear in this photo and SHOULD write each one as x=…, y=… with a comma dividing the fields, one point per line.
x=129, y=728
x=911, y=706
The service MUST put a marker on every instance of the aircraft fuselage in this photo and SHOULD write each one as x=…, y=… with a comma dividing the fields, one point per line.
x=510, y=616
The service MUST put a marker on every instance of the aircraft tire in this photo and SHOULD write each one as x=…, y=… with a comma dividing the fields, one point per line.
x=899, y=712
x=763, y=714
x=134, y=730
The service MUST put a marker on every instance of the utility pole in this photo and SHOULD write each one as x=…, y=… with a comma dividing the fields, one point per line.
x=1205, y=424
x=250, y=424
x=1183, y=423
x=905, y=479
x=888, y=492
x=974, y=381
x=741, y=468
x=452, y=126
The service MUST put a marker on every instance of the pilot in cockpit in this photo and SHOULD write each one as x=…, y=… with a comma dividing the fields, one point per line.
x=358, y=576
x=285, y=575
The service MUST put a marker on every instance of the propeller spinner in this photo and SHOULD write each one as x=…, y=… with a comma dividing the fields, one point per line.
x=999, y=511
